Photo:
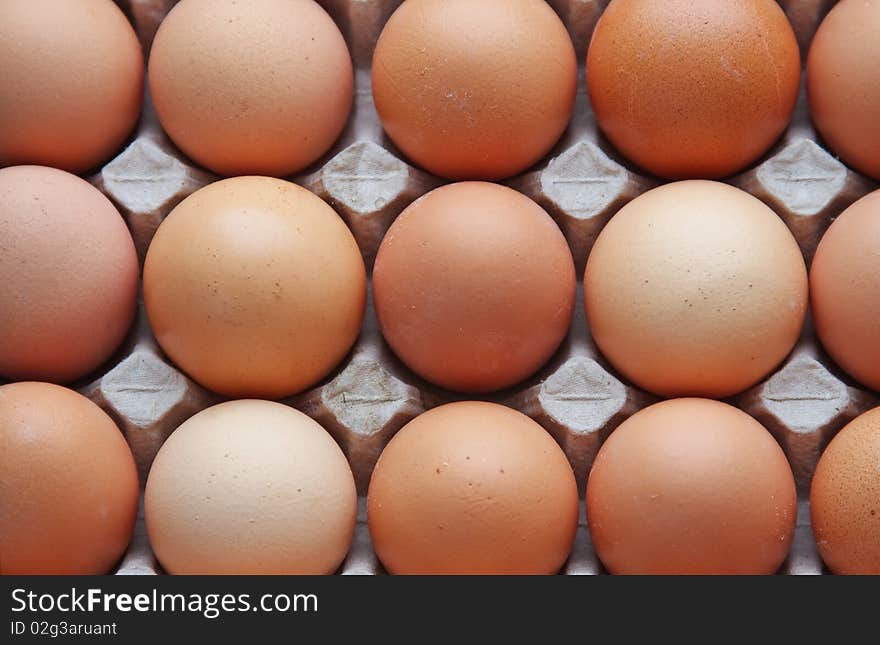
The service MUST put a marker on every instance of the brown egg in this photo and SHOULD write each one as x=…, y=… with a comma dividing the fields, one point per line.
x=695, y=288
x=845, y=498
x=689, y=89
x=250, y=487
x=691, y=486
x=845, y=290
x=244, y=87
x=843, y=84
x=474, y=286
x=474, y=90
x=72, y=82
x=68, y=483
x=255, y=287
x=68, y=275
x=472, y=488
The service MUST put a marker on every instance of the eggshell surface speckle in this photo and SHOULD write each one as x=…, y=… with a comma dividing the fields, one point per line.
x=474, y=286
x=693, y=89
x=68, y=483
x=843, y=83
x=472, y=488
x=691, y=486
x=474, y=90
x=845, y=290
x=255, y=287
x=845, y=498
x=250, y=487
x=695, y=288
x=72, y=82
x=251, y=86
x=68, y=275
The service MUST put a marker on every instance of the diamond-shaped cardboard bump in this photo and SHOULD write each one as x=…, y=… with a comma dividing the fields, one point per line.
x=804, y=405
x=369, y=187
x=148, y=399
x=362, y=406
x=580, y=403
x=582, y=189
x=807, y=187
x=146, y=182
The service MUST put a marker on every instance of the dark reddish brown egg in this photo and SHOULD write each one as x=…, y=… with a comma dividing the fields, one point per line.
x=693, y=89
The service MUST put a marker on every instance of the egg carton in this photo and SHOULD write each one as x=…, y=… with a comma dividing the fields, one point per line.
x=577, y=396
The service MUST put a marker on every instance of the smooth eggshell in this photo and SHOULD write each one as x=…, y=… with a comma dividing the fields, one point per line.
x=695, y=288
x=68, y=483
x=474, y=286
x=693, y=89
x=845, y=290
x=72, y=82
x=472, y=488
x=691, y=486
x=843, y=83
x=250, y=487
x=259, y=87
x=474, y=90
x=845, y=498
x=68, y=275
x=255, y=287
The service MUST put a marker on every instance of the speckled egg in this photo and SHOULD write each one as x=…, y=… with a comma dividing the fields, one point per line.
x=250, y=487
x=255, y=287
x=695, y=288
x=472, y=488
x=845, y=498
